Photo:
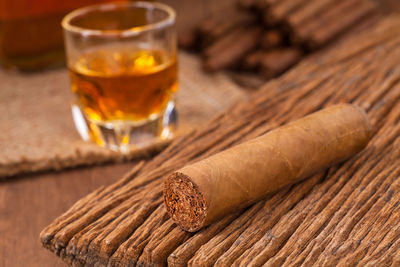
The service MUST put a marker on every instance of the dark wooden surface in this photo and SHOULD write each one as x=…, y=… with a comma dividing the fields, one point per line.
x=30, y=202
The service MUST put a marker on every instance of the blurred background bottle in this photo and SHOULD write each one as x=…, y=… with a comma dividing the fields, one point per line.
x=31, y=34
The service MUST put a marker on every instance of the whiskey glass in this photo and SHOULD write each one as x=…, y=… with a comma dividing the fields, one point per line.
x=122, y=59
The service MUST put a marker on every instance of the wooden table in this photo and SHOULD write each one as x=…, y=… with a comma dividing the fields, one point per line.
x=30, y=202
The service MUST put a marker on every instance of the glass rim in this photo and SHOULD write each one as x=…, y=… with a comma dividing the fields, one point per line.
x=168, y=21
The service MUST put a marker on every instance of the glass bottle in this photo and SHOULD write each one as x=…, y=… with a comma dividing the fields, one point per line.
x=30, y=32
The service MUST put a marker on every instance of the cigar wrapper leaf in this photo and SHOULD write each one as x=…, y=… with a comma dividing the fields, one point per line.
x=202, y=193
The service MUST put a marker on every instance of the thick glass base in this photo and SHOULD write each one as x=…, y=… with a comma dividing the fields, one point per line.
x=123, y=136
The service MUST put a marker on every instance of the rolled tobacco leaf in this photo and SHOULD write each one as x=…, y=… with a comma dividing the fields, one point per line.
x=200, y=194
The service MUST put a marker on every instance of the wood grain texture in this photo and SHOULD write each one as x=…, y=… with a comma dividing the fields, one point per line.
x=346, y=216
x=30, y=202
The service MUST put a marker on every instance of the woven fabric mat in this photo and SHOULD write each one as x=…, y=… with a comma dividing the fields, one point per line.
x=37, y=131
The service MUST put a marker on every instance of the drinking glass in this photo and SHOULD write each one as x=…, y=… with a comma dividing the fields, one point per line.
x=122, y=60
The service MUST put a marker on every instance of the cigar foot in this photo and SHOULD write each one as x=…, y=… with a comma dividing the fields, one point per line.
x=184, y=202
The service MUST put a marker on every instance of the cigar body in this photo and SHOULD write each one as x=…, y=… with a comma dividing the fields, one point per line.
x=203, y=192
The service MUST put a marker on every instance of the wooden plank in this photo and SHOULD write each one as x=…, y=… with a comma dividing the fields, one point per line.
x=346, y=215
x=30, y=202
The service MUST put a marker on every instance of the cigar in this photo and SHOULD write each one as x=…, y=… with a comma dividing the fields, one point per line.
x=234, y=51
x=276, y=61
x=253, y=60
x=282, y=10
x=271, y=39
x=225, y=41
x=204, y=192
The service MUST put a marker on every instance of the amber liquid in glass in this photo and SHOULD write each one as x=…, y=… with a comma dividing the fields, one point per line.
x=129, y=86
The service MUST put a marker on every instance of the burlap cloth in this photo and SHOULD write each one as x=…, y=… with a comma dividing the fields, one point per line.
x=37, y=131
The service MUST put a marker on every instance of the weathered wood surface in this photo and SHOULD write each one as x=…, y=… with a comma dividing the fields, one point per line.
x=30, y=202
x=348, y=215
